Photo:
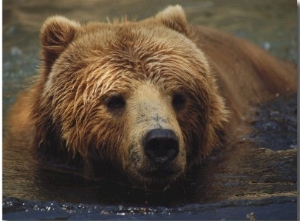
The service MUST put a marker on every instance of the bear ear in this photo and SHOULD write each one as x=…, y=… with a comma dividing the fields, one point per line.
x=56, y=34
x=173, y=17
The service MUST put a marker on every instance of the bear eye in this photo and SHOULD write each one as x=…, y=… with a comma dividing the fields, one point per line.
x=115, y=102
x=178, y=101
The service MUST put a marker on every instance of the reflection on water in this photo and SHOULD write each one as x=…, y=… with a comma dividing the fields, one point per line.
x=260, y=171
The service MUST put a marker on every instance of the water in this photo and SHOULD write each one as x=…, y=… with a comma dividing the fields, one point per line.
x=258, y=174
x=240, y=210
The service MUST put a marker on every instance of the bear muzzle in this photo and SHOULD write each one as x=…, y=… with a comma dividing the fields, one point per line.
x=156, y=148
x=161, y=152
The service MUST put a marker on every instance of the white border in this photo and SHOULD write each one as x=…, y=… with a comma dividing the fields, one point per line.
x=1, y=120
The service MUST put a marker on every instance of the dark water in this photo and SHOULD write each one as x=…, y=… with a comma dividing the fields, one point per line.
x=256, y=178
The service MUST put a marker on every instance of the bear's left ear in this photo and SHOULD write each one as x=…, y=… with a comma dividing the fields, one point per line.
x=56, y=34
x=173, y=17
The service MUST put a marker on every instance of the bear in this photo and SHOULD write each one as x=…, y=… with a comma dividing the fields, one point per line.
x=141, y=100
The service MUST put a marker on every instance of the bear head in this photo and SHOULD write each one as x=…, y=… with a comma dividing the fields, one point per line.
x=137, y=96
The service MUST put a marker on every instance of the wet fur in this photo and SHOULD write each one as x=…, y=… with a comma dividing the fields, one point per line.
x=64, y=118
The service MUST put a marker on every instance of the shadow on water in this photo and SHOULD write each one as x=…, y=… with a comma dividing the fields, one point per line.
x=258, y=174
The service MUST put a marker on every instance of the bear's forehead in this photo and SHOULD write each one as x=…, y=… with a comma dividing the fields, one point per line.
x=132, y=38
x=131, y=46
x=117, y=54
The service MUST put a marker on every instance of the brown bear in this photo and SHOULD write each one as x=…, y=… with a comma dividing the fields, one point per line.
x=144, y=99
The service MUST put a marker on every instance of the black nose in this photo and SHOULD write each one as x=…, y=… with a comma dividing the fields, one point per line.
x=161, y=145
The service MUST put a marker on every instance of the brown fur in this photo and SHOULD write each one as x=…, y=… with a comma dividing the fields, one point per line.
x=166, y=72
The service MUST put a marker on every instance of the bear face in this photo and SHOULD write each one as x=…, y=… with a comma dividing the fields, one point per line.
x=138, y=96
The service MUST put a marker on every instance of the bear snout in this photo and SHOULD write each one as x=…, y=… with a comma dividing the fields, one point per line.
x=161, y=146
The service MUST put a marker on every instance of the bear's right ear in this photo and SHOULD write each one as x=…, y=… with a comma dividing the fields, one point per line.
x=173, y=17
x=56, y=34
